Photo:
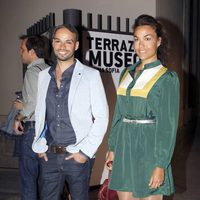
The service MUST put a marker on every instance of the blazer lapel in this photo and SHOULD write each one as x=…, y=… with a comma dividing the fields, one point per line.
x=76, y=77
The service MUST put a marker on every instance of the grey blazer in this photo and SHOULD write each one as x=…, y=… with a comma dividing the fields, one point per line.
x=88, y=110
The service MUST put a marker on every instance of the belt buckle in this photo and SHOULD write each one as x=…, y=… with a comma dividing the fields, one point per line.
x=59, y=149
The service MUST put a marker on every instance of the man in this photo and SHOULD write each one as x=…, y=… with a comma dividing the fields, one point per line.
x=33, y=50
x=72, y=103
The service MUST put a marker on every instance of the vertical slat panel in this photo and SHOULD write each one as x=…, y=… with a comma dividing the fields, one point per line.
x=109, y=23
x=99, y=22
x=89, y=20
x=118, y=24
x=127, y=25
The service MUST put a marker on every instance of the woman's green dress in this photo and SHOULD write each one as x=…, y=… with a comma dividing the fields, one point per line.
x=140, y=147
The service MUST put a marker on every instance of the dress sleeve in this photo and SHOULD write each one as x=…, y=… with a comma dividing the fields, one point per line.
x=116, y=118
x=167, y=120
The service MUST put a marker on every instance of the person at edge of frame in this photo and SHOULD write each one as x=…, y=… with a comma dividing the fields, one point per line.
x=143, y=133
x=33, y=54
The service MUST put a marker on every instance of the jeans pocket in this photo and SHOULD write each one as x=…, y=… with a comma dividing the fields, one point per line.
x=78, y=163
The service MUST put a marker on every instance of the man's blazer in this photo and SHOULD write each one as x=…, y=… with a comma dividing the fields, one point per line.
x=88, y=110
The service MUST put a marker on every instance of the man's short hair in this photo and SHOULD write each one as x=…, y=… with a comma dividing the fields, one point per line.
x=37, y=43
x=70, y=27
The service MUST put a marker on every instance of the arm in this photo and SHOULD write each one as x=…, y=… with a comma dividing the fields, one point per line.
x=29, y=100
x=167, y=122
x=112, y=138
x=40, y=144
x=29, y=92
x=99, y=112
x=116, y=118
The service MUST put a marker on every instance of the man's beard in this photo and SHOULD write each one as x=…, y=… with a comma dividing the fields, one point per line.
x=65, y=58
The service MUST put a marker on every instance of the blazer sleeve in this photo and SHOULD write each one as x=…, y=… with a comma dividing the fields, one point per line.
x=40, y=144
x=99, y=112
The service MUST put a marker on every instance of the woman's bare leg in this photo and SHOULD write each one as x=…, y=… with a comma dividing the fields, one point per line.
x=125, y=196
x=128, y=196
x=153, y=197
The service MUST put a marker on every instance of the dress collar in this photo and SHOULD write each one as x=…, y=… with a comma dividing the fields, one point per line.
x=146, y=66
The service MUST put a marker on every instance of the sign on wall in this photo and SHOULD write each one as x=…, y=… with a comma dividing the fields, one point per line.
x=108, y=52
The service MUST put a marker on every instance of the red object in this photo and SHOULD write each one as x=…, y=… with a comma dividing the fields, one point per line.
x=105, y=193
x=109, y=164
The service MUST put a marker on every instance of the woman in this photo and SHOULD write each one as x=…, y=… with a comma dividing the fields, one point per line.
x=143, y=133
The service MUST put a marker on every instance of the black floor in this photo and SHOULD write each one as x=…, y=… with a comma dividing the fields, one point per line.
x=185, y=164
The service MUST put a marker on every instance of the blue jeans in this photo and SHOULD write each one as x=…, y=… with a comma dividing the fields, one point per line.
x=56, y=171
x=28, y=165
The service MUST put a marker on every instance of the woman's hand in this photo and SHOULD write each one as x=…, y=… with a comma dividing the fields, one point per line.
x=109, y=160
x=157, y=178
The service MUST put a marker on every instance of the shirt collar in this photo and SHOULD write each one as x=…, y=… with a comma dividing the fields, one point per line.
x=65, y=73
x=36, y=62
x=68, y=72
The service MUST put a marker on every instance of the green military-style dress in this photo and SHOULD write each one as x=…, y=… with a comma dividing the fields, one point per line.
x=140, y=147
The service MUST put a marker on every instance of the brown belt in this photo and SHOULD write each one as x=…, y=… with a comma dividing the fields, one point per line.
x=57, y=149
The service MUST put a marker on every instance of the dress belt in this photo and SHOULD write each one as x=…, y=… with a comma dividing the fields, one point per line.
x=139, y=121
x=57, y=149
